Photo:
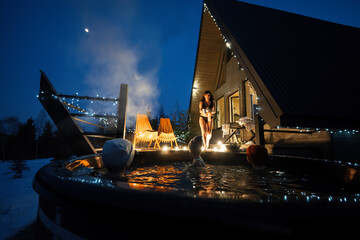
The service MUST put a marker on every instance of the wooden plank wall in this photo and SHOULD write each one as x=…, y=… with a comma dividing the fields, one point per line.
x=210, y=50
x=233, y=79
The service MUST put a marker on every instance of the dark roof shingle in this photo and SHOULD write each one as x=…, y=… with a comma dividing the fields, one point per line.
x=309, y=66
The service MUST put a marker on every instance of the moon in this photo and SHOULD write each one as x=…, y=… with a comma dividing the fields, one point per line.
x=86, y=30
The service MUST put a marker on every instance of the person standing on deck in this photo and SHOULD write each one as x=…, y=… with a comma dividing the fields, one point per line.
x=206, y=109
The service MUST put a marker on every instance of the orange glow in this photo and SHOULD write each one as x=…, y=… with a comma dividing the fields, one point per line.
x=89, y=163
x=143, y=130
x=99, y=162
x=349, y=174
x=166, y=133
x=139, y=186
x=78, y=163
x=151, y=177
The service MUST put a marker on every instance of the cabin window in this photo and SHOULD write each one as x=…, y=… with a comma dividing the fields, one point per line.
x=251, y=101
x=220, y=112
x=234, y=107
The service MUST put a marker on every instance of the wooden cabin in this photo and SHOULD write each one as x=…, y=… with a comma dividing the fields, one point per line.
x=297, y=73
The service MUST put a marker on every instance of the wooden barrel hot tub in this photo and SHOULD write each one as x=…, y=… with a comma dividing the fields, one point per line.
x=77, y=201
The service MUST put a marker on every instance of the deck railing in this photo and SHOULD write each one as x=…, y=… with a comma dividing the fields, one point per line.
x=66, y=121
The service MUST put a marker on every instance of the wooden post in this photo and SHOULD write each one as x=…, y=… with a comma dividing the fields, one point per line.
x=121, y=111
x=242, y=102
x=242, y=98
x=259, y=130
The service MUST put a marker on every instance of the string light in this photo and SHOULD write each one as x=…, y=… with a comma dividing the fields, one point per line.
x=223, y=148
x=74, y=105
x=227, y=43
x=319, y=130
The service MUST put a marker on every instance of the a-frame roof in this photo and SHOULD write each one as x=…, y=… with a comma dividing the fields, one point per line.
x=305, y=70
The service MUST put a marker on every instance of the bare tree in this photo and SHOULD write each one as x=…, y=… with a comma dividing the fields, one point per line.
x=40, y=122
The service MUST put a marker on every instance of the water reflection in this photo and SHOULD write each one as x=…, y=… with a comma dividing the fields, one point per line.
x=157, y=175
x=217, y=181
x=236, y=183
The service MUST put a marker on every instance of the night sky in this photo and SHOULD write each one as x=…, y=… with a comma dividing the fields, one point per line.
x=150, y=45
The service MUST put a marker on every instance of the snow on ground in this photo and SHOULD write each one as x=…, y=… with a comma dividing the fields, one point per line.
x=18, y=200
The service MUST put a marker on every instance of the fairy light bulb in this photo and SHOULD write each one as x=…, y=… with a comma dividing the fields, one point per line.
x=223, y=148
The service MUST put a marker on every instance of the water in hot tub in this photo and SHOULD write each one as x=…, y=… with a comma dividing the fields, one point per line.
x=228, y=182
x=237, y=183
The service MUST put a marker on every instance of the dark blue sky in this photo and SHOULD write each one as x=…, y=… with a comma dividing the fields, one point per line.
x=151, y=45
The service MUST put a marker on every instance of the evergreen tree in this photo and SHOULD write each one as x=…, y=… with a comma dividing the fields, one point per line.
x=40, y=122
x=162, y=112
x=26, y=140
x=61, y=148
x=155, y=121
x=179, y=123
x=47, y=134
x=46, y=141
x=8, y=130
x=18, y=167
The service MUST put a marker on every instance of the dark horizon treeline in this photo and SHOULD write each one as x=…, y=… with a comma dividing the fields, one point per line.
x=30, y=140
x=39, y=138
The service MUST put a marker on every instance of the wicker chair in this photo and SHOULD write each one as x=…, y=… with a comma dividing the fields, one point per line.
x=165, y=133
x=144, y=131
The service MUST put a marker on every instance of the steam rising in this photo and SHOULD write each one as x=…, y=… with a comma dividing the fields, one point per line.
x=112, y=59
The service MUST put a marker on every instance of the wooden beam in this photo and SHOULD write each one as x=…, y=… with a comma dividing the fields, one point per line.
x=87, y=97
x=73, y=106
x=92, y=115
x=242, y=98
x=90, y=123
x=105, y=134
x=60, y=115
x=121, y=111
x=99, y=136
x=259, y=130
